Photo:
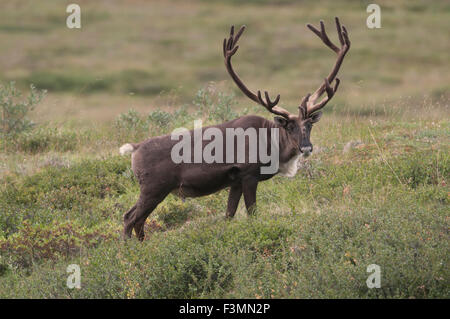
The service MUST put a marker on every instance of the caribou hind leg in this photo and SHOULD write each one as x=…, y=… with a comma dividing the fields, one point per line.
x=127, y=217
x=146, y=204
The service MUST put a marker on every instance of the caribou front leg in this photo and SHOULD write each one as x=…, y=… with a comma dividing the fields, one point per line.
x=249, y=186
x=233, y=199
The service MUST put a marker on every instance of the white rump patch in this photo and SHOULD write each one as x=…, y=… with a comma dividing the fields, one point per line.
x=126, y=149
x=290, y=168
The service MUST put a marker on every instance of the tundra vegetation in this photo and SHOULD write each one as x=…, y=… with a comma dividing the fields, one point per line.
x=374, y=191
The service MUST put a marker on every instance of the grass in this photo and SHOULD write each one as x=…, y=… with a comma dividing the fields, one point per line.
x=375, y=190
x=314, y=235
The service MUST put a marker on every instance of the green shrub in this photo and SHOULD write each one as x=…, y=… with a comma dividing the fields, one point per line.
x=130, y=120
x=14, y=112
x=160, y=119
x=131, y=126
x=215, y=106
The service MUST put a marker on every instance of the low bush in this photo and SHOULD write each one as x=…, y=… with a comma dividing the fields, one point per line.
x=14, y=113
x=34, y=242
x=58, y=193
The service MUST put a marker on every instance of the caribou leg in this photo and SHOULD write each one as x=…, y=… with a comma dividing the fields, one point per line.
x=249, y=186
x=233, y=199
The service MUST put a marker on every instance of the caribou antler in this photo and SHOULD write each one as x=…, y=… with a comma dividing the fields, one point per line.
x=309, y=102
x=229, y=49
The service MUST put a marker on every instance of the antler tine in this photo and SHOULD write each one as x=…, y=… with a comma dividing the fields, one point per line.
x=271, y=106
x=229, y=49
x=268, y=103
x=303, y=106
x=238, y=35
x=339, y=30
x=323, y=36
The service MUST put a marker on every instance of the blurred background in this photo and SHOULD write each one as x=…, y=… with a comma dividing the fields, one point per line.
x=157, y=54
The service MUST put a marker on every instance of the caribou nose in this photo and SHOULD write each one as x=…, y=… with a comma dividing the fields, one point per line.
x=306, y=149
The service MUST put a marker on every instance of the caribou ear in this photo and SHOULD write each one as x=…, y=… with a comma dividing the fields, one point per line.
x=316, y=117
x=281, y=121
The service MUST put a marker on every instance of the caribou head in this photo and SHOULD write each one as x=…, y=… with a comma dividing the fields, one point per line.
x=297, y=125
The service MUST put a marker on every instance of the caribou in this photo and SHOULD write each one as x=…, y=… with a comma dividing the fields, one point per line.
x=159, y=175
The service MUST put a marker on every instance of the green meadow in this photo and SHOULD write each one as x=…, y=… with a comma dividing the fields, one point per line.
x=375, y=191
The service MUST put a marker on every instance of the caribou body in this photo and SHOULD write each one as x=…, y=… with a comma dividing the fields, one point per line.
x=159, y=175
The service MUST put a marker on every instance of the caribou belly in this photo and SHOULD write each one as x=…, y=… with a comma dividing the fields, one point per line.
x=289, y=169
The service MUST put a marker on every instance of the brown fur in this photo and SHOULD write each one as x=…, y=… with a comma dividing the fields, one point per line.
x=159, y=176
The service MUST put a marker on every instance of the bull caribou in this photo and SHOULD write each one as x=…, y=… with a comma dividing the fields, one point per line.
x=159, y=175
